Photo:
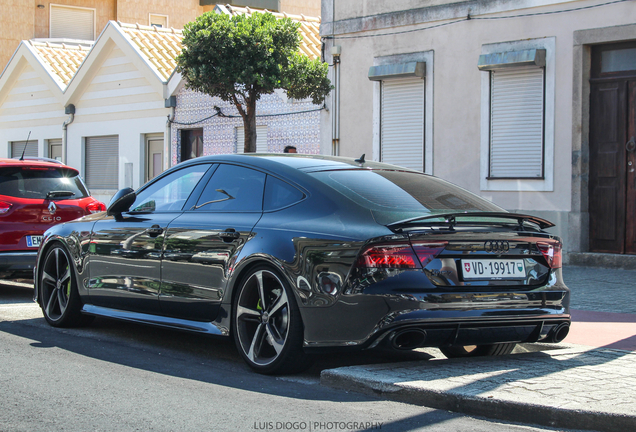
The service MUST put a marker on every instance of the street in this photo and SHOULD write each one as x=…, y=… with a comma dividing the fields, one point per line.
x=118, y=376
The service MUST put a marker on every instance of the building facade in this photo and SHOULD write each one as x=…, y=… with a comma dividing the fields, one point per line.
x=528, y=103
x=116, y=110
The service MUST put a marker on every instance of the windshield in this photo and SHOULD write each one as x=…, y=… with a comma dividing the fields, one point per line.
x=397, y=195
x=37, y=182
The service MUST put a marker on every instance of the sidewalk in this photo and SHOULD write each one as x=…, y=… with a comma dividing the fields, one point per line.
x=586, y=383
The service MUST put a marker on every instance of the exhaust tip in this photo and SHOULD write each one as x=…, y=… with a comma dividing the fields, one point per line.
x=408, y=339
x=559, y=333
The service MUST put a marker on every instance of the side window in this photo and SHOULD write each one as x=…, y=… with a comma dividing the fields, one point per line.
x=279, y=194
x=233, y=188
x=171, y=192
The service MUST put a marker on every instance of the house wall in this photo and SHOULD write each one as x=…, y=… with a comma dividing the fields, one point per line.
x=219, y=134
x=458, y=95
x=118, y=98
x=29, y=106
x=179, y=12
x=14, y=27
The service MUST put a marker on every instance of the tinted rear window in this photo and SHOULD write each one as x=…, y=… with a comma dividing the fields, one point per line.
x=396, y=195
x=36, y=183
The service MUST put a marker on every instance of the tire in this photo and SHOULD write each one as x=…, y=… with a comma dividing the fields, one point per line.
x=266, y=324
x=478, y=350
x=59, y=298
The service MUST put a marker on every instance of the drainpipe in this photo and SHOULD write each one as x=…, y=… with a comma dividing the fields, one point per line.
x=70, y=110
x=335, y=109
x=171, y=102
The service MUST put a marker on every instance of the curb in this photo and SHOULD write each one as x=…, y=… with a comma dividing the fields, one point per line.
x=371, y=380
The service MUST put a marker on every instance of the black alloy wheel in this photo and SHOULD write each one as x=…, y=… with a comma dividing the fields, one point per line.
x=267, y=327
x=59, y=298
x=478, y=350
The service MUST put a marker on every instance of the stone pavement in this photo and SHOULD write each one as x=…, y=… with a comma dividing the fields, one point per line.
x=585, y=383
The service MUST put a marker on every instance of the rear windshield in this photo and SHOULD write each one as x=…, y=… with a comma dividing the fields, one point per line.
x=38, y=182
x=396, y=195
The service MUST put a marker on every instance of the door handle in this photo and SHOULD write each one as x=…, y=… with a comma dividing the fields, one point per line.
x=631, y=145
x=229, y=234
x=154, y=231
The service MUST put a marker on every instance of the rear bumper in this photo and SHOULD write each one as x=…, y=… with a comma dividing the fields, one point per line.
x=17, y=264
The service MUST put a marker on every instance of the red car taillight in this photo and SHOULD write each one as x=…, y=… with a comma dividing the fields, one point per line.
x=5, y=207
x=400, y=255
x=394, y=255
x=551, y=250
x=96, y=207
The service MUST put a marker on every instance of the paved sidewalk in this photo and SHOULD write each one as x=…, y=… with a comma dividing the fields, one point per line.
x=576, y=388
x=589, y=382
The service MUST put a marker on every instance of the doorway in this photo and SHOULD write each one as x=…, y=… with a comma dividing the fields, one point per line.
x=154, y=156
x=612, y=181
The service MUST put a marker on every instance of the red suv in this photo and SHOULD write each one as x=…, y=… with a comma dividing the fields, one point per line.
x=35, y=194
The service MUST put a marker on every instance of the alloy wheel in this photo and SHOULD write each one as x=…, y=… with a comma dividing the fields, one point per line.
x=56, y=284
x=262, y=318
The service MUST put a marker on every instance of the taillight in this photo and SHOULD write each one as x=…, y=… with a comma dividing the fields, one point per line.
x=393, y=255
x=426, y=252
x=96, y=207
x=4, y=207
x=551, y=250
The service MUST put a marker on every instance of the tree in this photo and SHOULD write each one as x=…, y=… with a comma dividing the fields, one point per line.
x=242, y=57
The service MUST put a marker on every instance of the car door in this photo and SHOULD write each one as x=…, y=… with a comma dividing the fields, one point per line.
x=203, y=243
x=126, y=250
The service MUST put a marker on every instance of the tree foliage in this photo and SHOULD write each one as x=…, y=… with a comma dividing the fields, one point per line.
x=239, y=58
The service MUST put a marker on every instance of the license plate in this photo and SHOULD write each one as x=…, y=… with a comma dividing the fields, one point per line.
x=34, y=241
x=493, y=269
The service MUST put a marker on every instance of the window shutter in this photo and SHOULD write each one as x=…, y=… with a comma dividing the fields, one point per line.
x=516, y=122
x=17, y=148
x=402, y=122
x=261, y=139
x=72, y=23
x=102, y=162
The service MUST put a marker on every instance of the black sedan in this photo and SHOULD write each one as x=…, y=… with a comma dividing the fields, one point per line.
x=294, y=254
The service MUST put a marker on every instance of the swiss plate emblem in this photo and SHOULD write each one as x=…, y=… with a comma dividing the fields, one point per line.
x=467, y=267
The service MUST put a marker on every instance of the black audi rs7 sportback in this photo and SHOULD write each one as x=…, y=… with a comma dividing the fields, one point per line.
x=294, y=254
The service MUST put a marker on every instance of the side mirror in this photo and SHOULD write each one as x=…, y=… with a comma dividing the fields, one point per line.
x=121, y=201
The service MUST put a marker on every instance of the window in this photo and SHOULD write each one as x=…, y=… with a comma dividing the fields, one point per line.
x=402, y=123
x=403, y=110
x=516, y=122
x=102, y=162
x=191, y=143
x=233, y=188
x=17, y=147
x=159, y=20
x=261, y=139
x=55, y=149
x=279, y=194
x=171, y=192
x=37, y=182
x=517, y=117
x=72, y=23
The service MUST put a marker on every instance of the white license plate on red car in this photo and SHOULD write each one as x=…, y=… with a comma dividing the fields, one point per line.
x=493, y=269
x=34, y=241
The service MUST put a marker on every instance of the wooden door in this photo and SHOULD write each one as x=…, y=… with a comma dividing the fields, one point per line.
x=607, y=189
x=630, y=168
x=612, y=180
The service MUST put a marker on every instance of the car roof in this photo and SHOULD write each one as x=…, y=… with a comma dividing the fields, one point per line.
x=301, y=162
x=34, y=162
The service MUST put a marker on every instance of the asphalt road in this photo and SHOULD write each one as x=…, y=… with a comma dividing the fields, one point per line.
x=115, y=376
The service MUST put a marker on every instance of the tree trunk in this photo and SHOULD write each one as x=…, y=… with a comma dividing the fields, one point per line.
x=249, y=121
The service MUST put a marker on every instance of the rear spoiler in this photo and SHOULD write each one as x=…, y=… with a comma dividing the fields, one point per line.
x=451, y=219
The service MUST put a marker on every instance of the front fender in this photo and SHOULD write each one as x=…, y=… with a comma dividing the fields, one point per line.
x=75, y=237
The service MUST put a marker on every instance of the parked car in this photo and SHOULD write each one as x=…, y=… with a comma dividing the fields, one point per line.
x=294, y=254
x=35, y=194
